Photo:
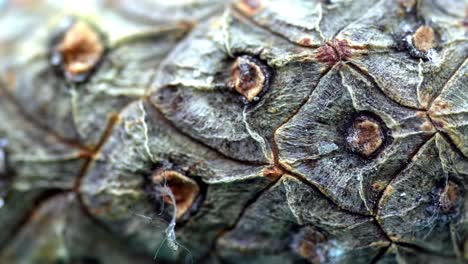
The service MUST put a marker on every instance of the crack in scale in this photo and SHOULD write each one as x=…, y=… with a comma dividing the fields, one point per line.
x=242, y=213
x=454, y=73
x=398, y=172
x=112, y=122
x=67, y=142
x=381, y=254
x=170, y=124
x=23, y=222
x=322, y=193
x=453, y=145
x=242, y=16
x=422, y=249
x=374, y=83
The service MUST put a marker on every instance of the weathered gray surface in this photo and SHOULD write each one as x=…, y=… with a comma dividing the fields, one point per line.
x=278, y=180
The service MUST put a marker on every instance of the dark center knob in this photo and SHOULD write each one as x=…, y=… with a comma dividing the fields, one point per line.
x=365, y=136
x=183, y=189
x=78, y=51
x=248, y=77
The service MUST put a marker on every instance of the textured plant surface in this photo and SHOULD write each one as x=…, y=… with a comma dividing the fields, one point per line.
x=259, y=131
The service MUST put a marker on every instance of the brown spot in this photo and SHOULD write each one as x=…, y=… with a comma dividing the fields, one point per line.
x=84, y=153
x=449, y=197
x=249, y=7
x=305, y=41
x=464, y=21
x=184, y=189
x=365, y=136
x=426, y=99
x=102, y=210
x=421, y=114
x=307, y=244
x=378, y=186
x=427, y=126
x=273, y=172
x=408, y=5
x=248, y=77
x=439, y=106
x=424, y=38
x=10, y=79
x=334, y=52
x=343, y=49
x=81, y=48
x=389, y=190
x=326, y=54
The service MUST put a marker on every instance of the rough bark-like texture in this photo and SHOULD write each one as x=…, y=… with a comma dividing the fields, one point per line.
x=353, y=148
